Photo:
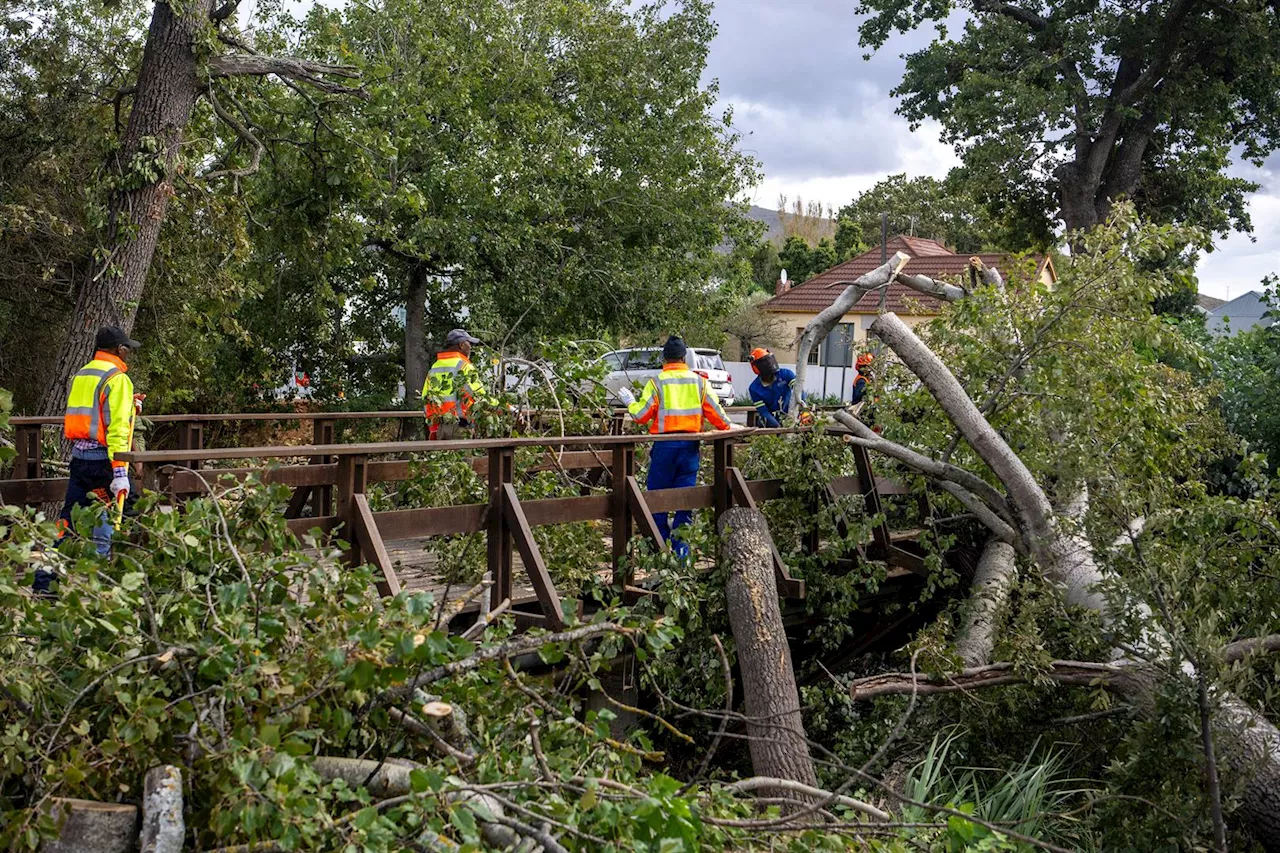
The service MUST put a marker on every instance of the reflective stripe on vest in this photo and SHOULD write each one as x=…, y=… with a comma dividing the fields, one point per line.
x=680, y=401
x=440, y=393
x=87, y=415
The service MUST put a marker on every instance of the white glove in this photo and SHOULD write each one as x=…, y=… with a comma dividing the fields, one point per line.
x=119, y=480
x=628, y=399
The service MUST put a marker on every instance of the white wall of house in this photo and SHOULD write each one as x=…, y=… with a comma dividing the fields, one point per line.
x=820, y=381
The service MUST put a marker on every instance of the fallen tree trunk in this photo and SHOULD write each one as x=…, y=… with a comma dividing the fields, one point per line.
x=778, y=745
x=989, y=594
x=819, y=327
x=1251, y=743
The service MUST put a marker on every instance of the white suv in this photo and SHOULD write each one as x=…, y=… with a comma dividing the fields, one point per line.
x=634, y=367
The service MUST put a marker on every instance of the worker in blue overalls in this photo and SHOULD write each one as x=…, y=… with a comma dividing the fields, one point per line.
x=771, y=390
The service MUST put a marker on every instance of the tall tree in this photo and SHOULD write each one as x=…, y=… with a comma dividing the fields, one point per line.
x=139, y=175
x=1097, y=101
x=540, y=166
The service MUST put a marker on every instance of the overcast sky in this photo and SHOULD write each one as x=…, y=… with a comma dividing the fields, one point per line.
x=821, y=121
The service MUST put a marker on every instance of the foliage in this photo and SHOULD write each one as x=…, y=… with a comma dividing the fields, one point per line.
x=1087, y=104
x=1247, y=366
x=947, y=211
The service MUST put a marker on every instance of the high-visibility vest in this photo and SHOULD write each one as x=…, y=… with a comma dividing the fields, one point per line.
x=678, y=400
x=452, y=386
x=100, y=405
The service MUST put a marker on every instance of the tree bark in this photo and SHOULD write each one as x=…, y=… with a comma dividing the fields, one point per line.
x=776, y=731
x=415, y=341
x=163, y=828
x=819, y=327
x=989, y=594
x=92, y=826
x=142, y=169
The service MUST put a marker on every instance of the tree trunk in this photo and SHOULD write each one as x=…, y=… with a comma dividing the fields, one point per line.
x=778, y=745
x=819, y=327
x=166, y=94
x=92, y=826
x=415, y=341
x=991, y=582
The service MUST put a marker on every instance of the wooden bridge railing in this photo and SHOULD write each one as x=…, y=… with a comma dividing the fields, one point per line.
x=28, y=465
x=507, y=520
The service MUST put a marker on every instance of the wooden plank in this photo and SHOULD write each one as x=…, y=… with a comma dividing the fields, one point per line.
x=301, y=526
x=789, y=586
x=907, y=560
x=765, y=490
x=372, y=547
x=623, y=466
x=642, y=514
x=498, y=537
x=381, y=448
x=867, y=484
x=534, y=566
x=688, y=497
x=431, y=521
x=33, y=491
x=567, y=510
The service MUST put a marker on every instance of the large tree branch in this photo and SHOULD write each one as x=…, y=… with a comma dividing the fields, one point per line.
x=244, y=133
x=1072, y=672
x=819, y=327
x=990, y=591
x=1009, y=10
x=932, y=468
x=303, y=70
x=1029, y=501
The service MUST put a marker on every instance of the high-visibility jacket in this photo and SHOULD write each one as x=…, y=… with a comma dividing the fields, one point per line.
x=453, y=386
x=100, y=406
x=677, y=401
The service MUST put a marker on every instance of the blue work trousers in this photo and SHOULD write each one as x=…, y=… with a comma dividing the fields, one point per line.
x=673, y=465
x=88, y=484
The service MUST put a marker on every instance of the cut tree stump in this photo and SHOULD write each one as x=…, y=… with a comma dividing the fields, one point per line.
x=777, y=740
x=92, y=827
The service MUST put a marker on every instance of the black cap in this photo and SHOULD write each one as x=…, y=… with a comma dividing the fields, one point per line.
x=674, y=349
x=457, y=336
x=110, y=337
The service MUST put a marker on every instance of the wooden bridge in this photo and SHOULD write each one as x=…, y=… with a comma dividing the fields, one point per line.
x=331, y=481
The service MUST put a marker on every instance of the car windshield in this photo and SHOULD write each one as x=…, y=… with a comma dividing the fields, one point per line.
x=710, y=361
x=644, y=359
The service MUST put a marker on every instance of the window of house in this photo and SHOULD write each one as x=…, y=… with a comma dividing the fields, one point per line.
x=837, y=349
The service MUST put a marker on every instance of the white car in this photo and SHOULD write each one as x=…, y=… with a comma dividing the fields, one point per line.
x=634, y=367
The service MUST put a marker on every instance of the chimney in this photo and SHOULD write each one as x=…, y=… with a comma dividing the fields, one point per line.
x=783, y=284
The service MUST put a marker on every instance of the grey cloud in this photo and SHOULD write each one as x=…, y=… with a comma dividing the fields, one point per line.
x=805, y=101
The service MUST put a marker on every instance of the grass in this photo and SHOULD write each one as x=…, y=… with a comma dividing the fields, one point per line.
x=1031, y=798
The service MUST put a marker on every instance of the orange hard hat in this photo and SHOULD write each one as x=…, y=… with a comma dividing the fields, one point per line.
x=864, y=359
x=758, y=352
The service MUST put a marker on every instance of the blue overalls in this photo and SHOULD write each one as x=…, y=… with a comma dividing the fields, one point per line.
x=773, y=399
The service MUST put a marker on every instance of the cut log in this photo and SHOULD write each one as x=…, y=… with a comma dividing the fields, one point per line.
x=778, y=745
x=163, y=826
x=819, y=327
x=991, y=582
x=382, y=780
x=90, y=827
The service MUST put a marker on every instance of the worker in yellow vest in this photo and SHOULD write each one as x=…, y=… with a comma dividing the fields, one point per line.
x=99, y=421
x=677, y=400
x=453, y=387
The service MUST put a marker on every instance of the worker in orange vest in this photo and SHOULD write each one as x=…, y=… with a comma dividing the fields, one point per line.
x=453, y=387
x=677, y=400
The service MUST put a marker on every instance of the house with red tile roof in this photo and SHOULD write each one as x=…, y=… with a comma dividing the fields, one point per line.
x=801, y=303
